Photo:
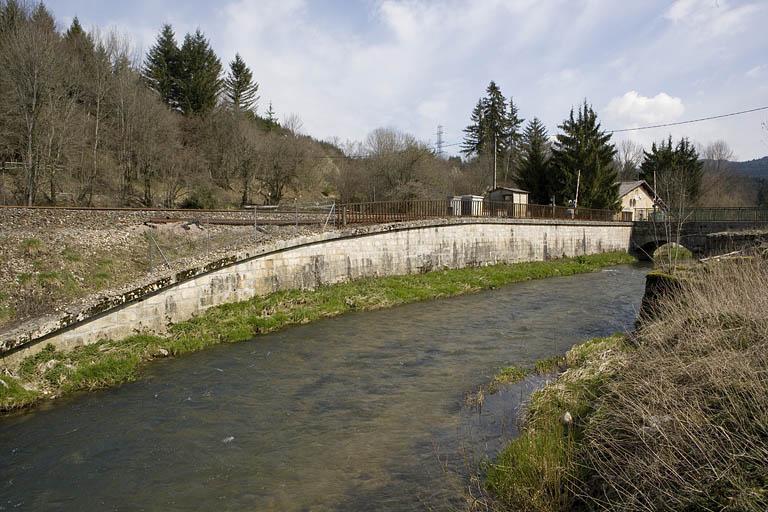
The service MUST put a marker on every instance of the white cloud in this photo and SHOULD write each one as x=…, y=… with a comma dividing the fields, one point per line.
x=682, y=9
x=712, y=17
x=634, y=109
x=414, y=64
x=756, y=71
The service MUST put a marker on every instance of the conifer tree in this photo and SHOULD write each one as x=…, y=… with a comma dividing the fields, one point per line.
x=271, y=119
x=658, y=161
x=79, y=41
x=514, y=122
x=535, y=173
x=674, y=170
x=239, y=88
x=11, y=15
x=75, y=29
x=43, y=19
x=473, y=137
x=199, y=77
x=513, y=137
x=495, y=122
x=583, y=153
x=161, y=67
x=492, y=126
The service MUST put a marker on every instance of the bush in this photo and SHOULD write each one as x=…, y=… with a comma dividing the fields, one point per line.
x=685, y=424
x=201, y=199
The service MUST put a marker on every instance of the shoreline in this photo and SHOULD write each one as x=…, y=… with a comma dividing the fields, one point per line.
x=51, y=373
x=678, y=395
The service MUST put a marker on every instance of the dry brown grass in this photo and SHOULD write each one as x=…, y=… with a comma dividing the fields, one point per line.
x=685, y=424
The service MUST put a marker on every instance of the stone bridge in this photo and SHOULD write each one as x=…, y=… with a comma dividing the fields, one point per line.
x=647, y=236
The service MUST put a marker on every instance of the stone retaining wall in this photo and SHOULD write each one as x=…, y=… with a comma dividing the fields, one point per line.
x=311, y=261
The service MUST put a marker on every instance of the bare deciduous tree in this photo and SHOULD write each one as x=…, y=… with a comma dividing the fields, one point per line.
x=720, y=186
x=629, y=156
x=31, y=63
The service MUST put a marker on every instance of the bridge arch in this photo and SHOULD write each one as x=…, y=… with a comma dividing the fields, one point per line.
x=645, y=251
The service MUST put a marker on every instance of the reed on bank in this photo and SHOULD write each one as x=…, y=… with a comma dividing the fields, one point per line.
x=671, y=417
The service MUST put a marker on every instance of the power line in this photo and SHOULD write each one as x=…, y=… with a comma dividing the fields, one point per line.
x=441, y=145
x=709, y=118
x=664, y=125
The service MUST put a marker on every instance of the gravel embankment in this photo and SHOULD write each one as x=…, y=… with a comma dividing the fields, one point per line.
x=55, y=260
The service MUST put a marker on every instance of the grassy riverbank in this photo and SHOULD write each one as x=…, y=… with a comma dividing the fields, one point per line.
x=53, y=373
x=673, y=418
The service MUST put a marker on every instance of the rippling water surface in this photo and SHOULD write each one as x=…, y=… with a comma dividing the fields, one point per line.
x=361, y=412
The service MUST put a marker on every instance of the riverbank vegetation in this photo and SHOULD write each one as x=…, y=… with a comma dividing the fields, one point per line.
x=52, y=373
x=510, y=375
x=672, y=417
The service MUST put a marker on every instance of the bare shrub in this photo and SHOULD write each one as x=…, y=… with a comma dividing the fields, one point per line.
x=685, y=425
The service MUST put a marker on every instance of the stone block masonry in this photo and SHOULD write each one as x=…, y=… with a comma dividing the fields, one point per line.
x=315, y=260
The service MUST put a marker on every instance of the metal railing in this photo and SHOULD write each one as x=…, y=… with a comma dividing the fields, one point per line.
x=400, y=211
x=725, y=214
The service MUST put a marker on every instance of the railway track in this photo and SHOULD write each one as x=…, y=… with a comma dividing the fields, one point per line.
x=282, y=210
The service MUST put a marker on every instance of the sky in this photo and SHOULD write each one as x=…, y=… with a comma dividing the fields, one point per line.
x=348, y=67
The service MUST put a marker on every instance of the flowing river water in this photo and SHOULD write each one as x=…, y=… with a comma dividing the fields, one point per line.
x=360, y=412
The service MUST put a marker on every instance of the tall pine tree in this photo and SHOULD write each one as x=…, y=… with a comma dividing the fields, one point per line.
x=512, y=143
x=239, y=88
x=473, y=134
x=674, y=170
x=161, y=67
x=12, y=14
x=535, y=173
x=491, y=127
x=495, y=122
x=514, y=122
x=583, y=153
x=79, y=41
x=271, y=120
x=199, y=78
x=43, y=19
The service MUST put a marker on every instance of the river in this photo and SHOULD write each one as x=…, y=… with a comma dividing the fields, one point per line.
x=361, y=412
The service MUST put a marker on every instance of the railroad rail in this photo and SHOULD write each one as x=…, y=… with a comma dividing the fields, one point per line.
x=364, y=213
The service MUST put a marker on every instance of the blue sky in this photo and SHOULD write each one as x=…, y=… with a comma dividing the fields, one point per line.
x=348, y=67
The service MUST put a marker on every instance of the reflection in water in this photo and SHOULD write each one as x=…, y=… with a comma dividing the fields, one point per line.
x=359, y=412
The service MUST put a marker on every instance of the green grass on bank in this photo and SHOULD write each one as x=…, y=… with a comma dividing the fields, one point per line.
x=52, y=373
x=513, y=374
x=673, y=419
x=536, y=470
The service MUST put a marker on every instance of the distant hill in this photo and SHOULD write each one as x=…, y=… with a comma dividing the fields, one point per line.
x=753, y=168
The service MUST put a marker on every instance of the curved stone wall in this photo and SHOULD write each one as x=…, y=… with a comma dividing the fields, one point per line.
x=308, y=262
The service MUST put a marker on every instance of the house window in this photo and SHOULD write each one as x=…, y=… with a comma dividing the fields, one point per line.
x=632, y=203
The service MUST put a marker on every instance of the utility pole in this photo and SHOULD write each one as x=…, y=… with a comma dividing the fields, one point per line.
x=494, y=161
x=578, y=183
x=439, y=142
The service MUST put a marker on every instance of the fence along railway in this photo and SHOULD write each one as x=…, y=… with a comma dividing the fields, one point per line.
x=338, y=214
x=378, y=212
